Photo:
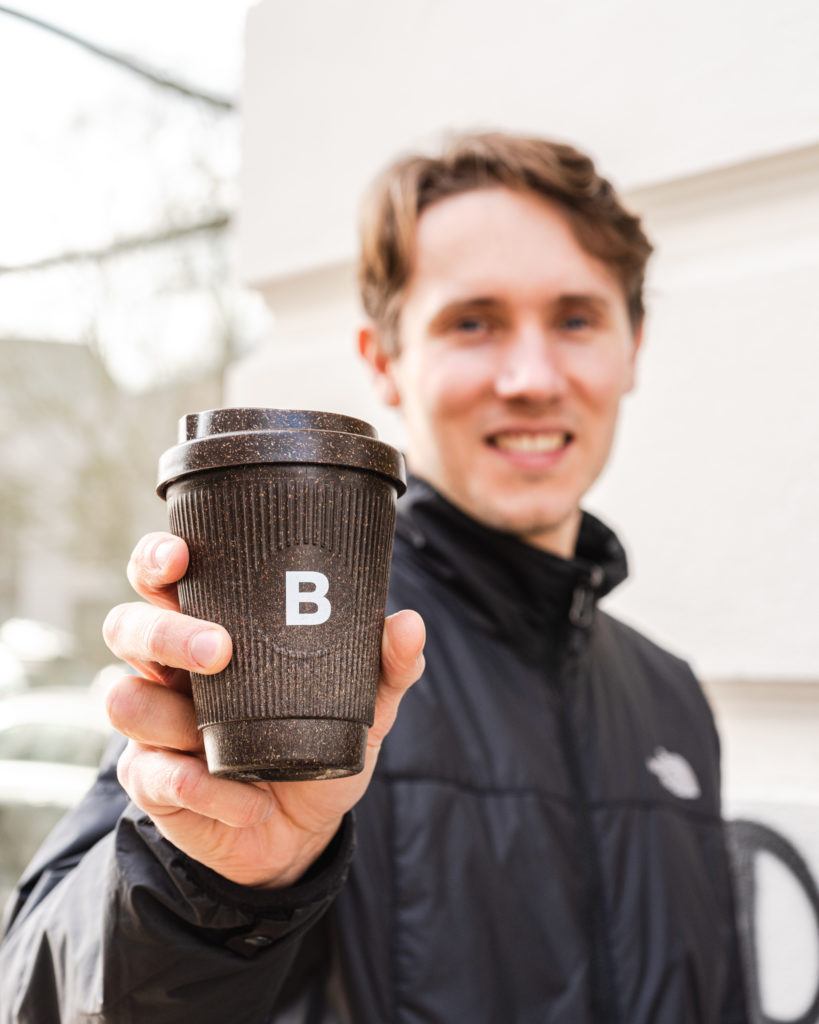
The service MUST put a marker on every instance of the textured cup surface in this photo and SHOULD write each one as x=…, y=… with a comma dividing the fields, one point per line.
x=293, y=560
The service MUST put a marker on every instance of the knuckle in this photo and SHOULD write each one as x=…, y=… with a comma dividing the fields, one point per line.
x=134, y=704
x=124, y=768
x=137, y=563
x=136, y=773
x=146, y=544
x=112, y=627
x=140, y=568
x=115, y=698
x=132, y=573
x=388, y=658
x=157, y=634
x=136, y=552
x=396, y=670
x=183, y=783
x=374, y=745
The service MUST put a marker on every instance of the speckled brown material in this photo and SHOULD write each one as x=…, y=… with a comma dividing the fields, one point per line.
x=289, y=519
x=242, y=437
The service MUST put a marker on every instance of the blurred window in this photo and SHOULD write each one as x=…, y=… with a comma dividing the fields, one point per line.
x=60, y=743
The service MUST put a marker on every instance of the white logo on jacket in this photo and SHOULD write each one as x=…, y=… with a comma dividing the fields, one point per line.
x=675, y=773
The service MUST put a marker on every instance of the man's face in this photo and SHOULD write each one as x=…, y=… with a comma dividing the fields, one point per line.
x=515, y=350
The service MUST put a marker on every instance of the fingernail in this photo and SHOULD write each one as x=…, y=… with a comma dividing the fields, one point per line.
x=160, y=556
x=206, y=647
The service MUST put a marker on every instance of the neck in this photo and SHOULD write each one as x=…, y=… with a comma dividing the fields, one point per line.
x=560, y=539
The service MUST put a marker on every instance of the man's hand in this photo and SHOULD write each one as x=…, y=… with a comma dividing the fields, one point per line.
x=255, y=833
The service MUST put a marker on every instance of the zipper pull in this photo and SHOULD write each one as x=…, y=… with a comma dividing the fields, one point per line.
x=581, y=612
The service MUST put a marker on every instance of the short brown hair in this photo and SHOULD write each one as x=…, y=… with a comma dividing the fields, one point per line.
x=397, y=197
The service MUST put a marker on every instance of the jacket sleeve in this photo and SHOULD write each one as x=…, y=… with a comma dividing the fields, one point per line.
x=112, y=923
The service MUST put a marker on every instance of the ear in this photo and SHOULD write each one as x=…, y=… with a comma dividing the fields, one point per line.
x=371, y=350
x=637, y=341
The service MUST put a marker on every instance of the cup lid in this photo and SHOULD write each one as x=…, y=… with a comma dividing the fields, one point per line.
x=217, y=438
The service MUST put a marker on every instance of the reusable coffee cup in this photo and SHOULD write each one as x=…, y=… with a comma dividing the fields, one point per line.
x=289, y=517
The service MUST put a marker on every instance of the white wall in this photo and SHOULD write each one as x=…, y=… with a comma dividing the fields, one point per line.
x=706, y=116
x=713, y=479
x=711, y=483
x=656, y=91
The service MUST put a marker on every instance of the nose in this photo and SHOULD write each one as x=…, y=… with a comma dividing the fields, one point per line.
x=530, y=366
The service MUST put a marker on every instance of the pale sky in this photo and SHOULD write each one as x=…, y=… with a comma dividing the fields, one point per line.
x=93, y=153
x=66, y=114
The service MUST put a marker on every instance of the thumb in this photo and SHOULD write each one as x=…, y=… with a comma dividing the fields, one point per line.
x=402, y=662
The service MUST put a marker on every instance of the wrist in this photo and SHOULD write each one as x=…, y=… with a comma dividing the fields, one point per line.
x=215, y=894
x=303, y=866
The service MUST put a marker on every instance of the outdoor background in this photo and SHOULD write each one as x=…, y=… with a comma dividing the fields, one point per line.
x=119, y=311
x=178, y=207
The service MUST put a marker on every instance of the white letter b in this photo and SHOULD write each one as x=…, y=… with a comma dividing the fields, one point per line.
x=295, y=597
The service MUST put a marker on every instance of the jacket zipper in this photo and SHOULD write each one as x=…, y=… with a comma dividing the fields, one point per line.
x=605, y=1003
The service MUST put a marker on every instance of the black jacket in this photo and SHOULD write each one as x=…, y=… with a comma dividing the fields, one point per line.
x=541, y=843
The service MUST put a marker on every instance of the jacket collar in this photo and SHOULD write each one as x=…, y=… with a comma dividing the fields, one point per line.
x=514, y=587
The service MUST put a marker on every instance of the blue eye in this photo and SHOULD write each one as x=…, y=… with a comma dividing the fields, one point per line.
x=575, y=323
x=470, y=324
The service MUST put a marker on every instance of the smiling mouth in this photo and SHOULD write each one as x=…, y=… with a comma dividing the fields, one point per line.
x=531, y=442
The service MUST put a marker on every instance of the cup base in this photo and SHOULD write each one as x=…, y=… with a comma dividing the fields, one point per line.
x=285, y=749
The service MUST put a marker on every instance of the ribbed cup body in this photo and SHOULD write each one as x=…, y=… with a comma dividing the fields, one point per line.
x=261, y=538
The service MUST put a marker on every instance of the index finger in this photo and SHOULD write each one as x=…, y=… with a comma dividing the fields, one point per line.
x=157, y=562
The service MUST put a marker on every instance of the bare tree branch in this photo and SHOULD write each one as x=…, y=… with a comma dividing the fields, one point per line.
x=122, y=245
x=123, y=61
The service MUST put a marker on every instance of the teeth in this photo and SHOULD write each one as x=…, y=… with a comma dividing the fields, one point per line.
x=531, y=442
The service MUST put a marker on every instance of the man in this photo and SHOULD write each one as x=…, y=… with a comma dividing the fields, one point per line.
x=540, y=839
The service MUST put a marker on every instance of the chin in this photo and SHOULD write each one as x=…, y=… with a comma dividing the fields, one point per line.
x=523, y=517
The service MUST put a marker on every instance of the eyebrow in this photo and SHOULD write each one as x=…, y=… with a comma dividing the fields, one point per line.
x=598, y=302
